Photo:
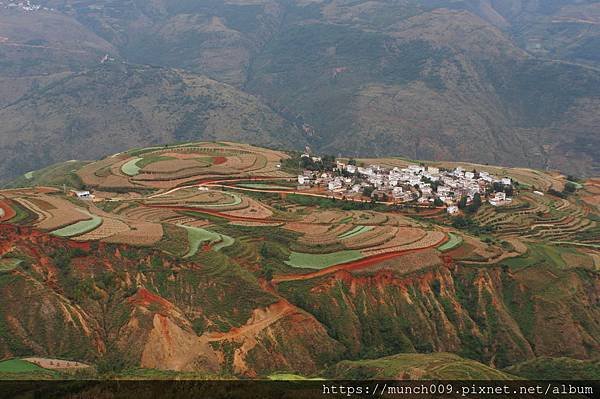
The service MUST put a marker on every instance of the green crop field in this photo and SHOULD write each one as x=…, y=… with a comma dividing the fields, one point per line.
x=355, y=231
x=79, y=228
x=19, y=366
x=454, y=241
x=131, y=168
x=539, y=254
x=197, y=236
x=145, y=161
x=321, y=261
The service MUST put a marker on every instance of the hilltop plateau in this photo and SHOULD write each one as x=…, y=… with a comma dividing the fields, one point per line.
x=211, y=260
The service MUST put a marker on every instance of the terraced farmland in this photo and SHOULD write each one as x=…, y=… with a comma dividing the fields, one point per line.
x=322, y=261
x=200, y=255
x=131, y=168
x=538, y=217
x=198, y=236
x=79, y=228
x=355, y=232
x=167, y=167
x=454, y=241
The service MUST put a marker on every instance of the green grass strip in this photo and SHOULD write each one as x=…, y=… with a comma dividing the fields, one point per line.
x=79, y=228
x=454, y=241
x=321, y=261
x=130, y=168
x=355, y=231
x=347, y=219
x=19, y=366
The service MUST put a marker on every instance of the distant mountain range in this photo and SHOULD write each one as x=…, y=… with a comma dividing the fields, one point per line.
x=514, y=82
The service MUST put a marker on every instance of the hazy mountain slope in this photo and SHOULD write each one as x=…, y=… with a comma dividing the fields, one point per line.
x=212, y=37
x=112, y=107
x=39, y=47
x=441, y=85
x=440, y=79
x=565, y=29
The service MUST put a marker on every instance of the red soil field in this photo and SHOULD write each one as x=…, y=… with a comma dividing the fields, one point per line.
x=354, y=265
x=219, y=160
x=7, y=212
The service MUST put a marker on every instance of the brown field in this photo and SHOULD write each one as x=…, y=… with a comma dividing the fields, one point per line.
x=578, y=260
x=327, y=216
x=591, y=193
x=190, y=222
x=171, y=166
x=329, y=236
x=306, y=228
x=90, y=177
x=141, y=233
x=194, y=171
x=410, y=262
x=58, y=212
x=43, y=205
x=180, y=155
x=370, y=218
x=378, y=236
x=253, y=210
x=143, y=213
x=108, y=228
x=190, y=196
x=430, y=238
x=474, y=250
x=404, y=236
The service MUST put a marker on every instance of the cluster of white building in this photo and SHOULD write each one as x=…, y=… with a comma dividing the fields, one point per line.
x=415, y=182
